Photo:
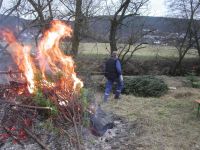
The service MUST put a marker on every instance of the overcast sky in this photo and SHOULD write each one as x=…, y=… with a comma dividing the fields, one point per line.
x=156, y=7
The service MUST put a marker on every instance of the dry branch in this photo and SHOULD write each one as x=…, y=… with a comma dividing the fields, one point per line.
x=39, y=141
x=10, y=72
x=26, y=106
x=13, y=136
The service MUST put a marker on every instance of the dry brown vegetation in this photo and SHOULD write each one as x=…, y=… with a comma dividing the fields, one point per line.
x=168, y=122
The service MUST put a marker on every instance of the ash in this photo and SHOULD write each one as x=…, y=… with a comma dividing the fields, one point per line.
x=119, y=137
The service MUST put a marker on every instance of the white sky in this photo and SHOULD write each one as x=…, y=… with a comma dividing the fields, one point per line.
x=157, y=8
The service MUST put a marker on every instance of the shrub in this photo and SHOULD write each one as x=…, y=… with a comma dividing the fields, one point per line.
x=85, y=104
x=145, y=86
x=194, y=80
x=40, y=100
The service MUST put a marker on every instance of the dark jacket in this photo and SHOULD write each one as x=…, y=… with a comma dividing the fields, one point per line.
x=112, y=69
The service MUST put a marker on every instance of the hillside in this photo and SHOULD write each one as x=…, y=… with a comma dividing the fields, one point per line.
x=97, y=28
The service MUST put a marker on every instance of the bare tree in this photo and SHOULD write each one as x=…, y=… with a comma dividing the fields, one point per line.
x=9, y=11
x=132, y=45
x=189, y=10
x=80, y=11
x=126, y=9
x=77, y=27
x=42, y=12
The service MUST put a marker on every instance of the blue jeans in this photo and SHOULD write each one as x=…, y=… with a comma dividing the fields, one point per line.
x=109, y=83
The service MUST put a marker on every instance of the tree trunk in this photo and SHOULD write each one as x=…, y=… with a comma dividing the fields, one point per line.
x=77, y=28
x=1, y=1
x=112, y=37
x=178, y=65
x=198, y=48
x=118, y=18
x=50, y=10
x=39, y=11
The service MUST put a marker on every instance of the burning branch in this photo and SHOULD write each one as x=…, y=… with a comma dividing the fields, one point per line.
x=51, y=59
x=10, y=72
x=50, y=78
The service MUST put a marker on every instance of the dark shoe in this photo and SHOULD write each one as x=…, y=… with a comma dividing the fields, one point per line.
x=105, y=99
x=117, y=97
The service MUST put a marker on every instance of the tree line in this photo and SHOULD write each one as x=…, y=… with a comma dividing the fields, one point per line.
x=41, y=12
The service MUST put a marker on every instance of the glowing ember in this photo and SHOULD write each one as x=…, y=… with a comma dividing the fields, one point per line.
x=52, y=61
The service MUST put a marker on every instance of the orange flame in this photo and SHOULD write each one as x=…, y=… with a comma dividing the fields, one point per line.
x=50, y=57
x=21, y=56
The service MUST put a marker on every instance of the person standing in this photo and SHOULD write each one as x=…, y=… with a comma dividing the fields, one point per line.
x=113, y=73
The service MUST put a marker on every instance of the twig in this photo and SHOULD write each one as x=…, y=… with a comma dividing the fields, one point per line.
x=71, y=138
x=75, y=124
x=13, y=136
x=26, y=106
x=10, y=72
x=32, y=107
x=39, y=141
x=77, y=135
x=92, y=73
x=65, y=117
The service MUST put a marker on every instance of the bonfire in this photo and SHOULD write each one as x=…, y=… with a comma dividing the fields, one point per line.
x=46, y=80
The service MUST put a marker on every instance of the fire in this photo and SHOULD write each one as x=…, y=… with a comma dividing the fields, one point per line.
x=51, y=59
x=28, y=70
x=21, y=56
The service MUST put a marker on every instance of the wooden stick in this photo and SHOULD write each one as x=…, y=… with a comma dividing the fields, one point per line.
x=32, y=107
x=39, y=141
x=77, y=135
x=26, y=106
x=71, y=138
x=10, y=72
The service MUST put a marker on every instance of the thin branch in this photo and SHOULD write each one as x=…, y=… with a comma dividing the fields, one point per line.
x=11, y=11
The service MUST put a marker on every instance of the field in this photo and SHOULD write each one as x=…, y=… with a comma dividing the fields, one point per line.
x=169, y=122
x=150, y=51
x=165, y=123
x=153, y=59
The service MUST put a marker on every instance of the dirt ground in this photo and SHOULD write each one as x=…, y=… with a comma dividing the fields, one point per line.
x=166, y=123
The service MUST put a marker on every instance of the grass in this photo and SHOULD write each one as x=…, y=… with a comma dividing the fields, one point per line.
x=168, y=122
x=151, y=51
